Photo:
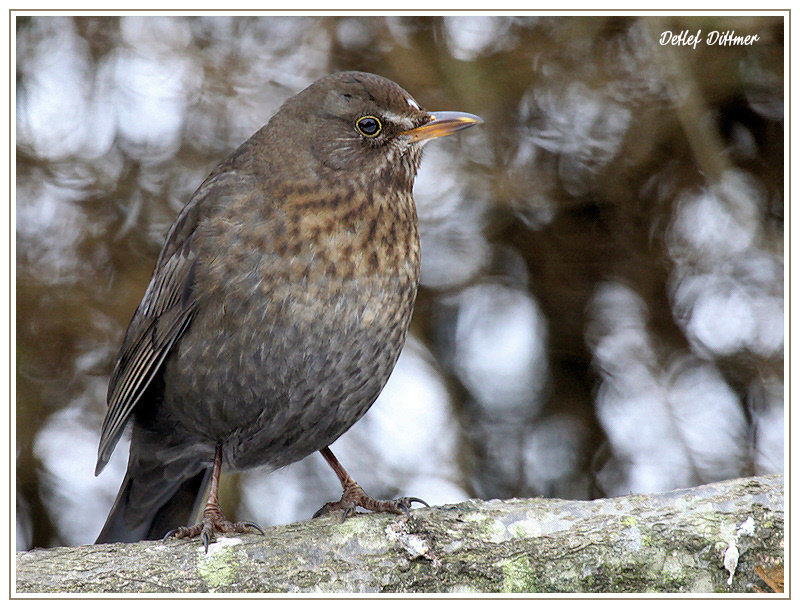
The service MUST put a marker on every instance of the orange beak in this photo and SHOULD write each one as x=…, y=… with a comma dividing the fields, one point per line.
x=443, y=123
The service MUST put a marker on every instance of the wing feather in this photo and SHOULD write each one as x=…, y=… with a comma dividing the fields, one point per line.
x=162, y=316
x=165, y=311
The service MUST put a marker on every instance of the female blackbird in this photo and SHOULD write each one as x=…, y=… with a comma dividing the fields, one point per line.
x=277, y=308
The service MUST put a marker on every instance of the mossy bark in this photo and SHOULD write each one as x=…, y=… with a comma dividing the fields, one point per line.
x=701, y=540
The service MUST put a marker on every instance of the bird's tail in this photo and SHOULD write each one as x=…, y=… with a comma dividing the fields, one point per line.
x=134, y=520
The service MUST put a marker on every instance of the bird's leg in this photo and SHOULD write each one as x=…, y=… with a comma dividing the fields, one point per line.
x=213, y=521
x=353, y=495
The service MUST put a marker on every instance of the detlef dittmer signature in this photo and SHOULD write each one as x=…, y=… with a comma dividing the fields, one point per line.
x=713, y=38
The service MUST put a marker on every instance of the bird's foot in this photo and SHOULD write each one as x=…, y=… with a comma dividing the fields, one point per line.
x=354, y=496
x=213, y=522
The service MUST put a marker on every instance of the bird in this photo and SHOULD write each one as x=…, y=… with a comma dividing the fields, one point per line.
x=277, y=308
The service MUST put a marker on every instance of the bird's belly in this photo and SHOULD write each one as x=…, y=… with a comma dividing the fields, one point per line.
x=277, y=382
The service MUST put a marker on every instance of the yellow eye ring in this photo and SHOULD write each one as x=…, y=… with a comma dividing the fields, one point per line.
x=369, y=126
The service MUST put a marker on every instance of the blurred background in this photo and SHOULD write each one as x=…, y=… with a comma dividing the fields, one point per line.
x=602, y=299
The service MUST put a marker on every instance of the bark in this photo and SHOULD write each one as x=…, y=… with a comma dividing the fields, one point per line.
x=713, y=538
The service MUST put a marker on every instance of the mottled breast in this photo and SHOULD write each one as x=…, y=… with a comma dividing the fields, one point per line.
x=302, y=318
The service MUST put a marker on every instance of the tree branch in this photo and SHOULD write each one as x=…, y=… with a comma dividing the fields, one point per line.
x=711, y=538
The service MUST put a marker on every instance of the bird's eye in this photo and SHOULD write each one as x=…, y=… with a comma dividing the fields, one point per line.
x=368, y=126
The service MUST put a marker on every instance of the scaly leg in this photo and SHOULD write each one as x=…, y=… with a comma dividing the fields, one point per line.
x=353, y=495
x=213, y=521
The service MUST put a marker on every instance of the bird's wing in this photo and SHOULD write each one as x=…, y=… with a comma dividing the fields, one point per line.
x=162, y=316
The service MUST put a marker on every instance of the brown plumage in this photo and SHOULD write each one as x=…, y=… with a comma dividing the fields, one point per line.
x=277, y=308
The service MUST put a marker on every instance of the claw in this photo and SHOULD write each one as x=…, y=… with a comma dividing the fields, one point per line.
x=206, y=528
x=170, y=534
x=213, y=520
x=253, y=525
x=349, y=511
x=354, y=496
